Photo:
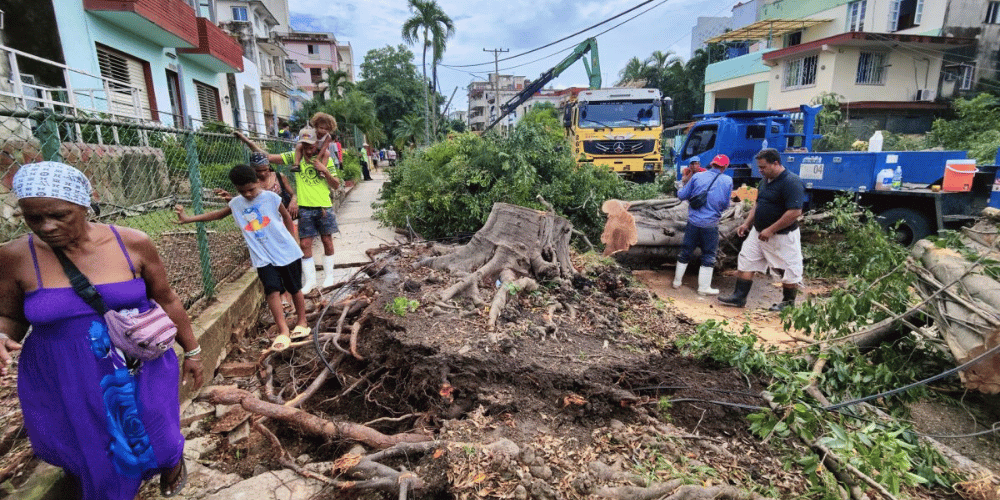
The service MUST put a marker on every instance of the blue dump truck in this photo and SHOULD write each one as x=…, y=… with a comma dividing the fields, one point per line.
x=916, y=209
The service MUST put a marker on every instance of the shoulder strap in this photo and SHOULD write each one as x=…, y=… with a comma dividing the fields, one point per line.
x=713, y=182
x=81, y=285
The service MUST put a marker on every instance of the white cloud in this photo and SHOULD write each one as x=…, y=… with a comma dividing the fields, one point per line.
x=517, y=25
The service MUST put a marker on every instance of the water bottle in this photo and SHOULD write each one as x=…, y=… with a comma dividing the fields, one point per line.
x=897, y=178
x=763, y=145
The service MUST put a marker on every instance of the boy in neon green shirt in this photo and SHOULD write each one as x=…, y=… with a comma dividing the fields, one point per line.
x=315, y=210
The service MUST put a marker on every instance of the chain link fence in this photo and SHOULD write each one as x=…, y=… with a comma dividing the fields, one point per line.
x=139, y=172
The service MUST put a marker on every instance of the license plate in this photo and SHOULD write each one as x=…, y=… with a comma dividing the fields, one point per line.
x=813, y=171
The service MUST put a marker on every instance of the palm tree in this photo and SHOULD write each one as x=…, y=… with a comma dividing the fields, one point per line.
x=436, y=27
x=407, y=130
x=337, y=83
x=632, y=71
x=358, y=109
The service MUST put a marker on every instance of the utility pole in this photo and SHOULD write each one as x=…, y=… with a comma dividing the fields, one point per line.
x=496, y=80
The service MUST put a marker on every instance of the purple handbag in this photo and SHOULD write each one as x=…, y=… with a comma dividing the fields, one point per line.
x=145, y=335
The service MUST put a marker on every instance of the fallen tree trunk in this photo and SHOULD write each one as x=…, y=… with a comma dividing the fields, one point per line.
x=964, y=299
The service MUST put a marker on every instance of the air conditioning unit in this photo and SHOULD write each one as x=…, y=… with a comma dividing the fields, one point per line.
x=925, y=95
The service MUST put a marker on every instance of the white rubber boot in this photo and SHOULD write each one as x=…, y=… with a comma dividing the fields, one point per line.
x=327, y=271
x=679, y=273
x=308, y=274
x=705, y=281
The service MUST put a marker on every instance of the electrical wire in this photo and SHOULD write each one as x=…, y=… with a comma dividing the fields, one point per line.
x=563, y=39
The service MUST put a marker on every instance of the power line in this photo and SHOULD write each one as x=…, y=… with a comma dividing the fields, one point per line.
x=563, y=39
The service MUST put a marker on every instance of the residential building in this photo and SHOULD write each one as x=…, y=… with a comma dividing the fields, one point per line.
x=253, y=25
x=149, y=60
x=707, y=28
x=484, y=106
x=317, y=53
x=885, y=59
x=970, y=65
x=346, y=59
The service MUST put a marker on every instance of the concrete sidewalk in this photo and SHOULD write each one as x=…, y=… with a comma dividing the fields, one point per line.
x=359, y=231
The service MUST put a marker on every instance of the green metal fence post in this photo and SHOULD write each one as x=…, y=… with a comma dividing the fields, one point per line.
x=194, y=174
x=48, y=135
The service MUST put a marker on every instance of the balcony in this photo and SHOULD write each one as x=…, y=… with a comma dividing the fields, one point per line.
x=737, y=67
x=276, y=82
x=216, y=50
x=168, y=23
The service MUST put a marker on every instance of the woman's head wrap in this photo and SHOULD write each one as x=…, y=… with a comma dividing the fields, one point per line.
x=50, y=179
x=258, y=159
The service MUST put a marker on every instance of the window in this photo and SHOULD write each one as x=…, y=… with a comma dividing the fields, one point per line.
x=208, y=102
x=312, y=49
x=856, y=15
x=992, y=13
x=800, y=72
x=127, y=77
x=966, y=76
x=700, y=140
x=905, y=14
x=240, y=14
x=871, y=68
x=793, y=39
x=316, y=74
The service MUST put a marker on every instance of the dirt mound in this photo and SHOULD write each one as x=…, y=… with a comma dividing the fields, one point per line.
x=573, y=399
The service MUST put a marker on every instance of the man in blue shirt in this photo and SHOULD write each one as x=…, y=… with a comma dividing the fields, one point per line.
x=708, y=194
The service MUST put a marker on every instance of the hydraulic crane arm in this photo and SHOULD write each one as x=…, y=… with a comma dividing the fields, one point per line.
x=593, y=74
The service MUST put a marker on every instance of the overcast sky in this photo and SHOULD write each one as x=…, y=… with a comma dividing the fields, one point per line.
x=517, y=25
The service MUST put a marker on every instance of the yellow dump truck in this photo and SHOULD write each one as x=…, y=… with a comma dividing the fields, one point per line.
x=620, y=128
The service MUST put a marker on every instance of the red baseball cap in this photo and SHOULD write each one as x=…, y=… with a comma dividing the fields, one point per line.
x=721, y=160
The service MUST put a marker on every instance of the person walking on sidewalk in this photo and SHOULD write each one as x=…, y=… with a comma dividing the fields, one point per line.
x=267, y=229
x=315, y=210
x=773, y=241
x=708, y=194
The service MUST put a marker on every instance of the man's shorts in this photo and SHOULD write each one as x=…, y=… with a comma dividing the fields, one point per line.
x=781, y=251
x=315, y=221
x=281, y=278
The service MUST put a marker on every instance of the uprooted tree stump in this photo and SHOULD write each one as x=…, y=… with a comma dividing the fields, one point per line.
x=516, y=246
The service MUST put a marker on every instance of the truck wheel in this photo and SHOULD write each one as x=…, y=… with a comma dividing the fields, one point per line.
x=912, y=225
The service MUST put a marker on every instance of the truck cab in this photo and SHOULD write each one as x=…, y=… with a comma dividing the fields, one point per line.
x=619, y=128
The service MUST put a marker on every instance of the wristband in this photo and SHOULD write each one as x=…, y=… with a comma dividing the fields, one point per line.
x=193, y=352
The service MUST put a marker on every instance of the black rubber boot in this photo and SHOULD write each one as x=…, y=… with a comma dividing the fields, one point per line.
x=739, y=296
x=787, y=299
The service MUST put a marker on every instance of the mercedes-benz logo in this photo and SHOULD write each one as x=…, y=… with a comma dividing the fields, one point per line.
x=619, y=147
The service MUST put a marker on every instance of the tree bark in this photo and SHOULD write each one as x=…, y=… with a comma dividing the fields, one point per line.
x=966, y=313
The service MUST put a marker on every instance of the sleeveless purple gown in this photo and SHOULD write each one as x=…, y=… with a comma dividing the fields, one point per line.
x=83, y=409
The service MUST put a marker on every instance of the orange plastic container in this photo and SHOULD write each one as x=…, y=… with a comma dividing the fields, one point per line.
x=958, y=175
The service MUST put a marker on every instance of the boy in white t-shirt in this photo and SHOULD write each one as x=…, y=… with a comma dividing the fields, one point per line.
x=274, y=251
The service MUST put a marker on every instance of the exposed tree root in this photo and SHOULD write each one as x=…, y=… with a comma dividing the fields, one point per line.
x=306, y=421
x=509, y=285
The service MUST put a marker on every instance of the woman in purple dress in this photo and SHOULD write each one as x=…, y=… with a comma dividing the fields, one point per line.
x=108, y=425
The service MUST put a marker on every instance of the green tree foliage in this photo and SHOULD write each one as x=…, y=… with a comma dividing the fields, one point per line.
x=431, y=24
x=977, y=128
x=546, y=116
x=450, y=187
x=408, y=131
x=357, y=108
x=338, y=83
x=390, y=79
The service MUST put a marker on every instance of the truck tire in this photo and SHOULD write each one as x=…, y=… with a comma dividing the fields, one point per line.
x=913, y=225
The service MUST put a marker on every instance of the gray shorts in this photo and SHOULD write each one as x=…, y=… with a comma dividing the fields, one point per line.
x=315, y=221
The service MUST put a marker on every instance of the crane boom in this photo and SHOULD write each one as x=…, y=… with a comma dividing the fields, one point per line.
x=593, y=74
